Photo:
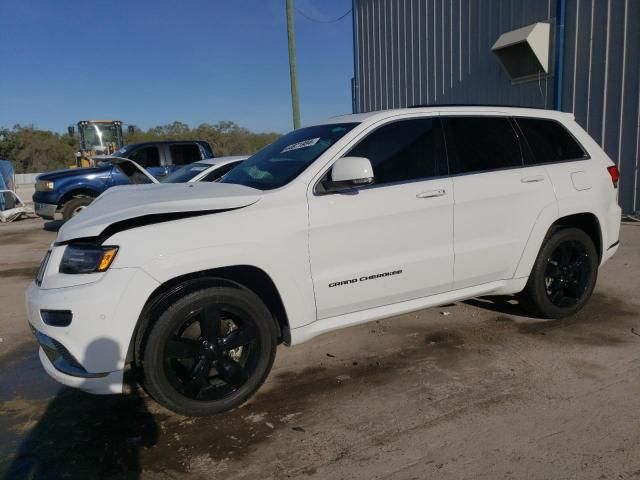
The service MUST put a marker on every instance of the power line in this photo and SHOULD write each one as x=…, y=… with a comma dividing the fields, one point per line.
x=322, y=21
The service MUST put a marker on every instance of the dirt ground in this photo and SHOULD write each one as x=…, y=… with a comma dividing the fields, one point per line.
x=471, y=390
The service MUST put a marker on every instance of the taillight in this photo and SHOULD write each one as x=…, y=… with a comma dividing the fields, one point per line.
x=615, y=174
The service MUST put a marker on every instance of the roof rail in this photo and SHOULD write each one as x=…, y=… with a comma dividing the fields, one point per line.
x=432, y=105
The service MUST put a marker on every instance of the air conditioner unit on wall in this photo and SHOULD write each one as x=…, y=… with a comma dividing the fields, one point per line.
x=524, y=53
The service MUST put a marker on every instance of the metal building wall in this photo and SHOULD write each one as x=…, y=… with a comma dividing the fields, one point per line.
x=410, y=52
x=601, y=84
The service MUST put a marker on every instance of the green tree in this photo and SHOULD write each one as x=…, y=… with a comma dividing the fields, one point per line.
x=33, y=150
x=8, y=144
x=41, y=151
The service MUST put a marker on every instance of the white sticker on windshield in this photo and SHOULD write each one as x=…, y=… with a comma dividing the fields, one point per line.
x=198, y=169
x=303, y=144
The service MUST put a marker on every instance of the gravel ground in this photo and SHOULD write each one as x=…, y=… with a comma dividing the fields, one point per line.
x=471, y=390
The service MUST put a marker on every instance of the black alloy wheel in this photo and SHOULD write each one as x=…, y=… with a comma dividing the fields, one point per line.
x=563, y=275
x=212, y=353
x=567, y=274
x=209, y=351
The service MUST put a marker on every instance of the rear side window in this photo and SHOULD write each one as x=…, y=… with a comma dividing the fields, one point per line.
x=482, y=143
x=549, y=141
x=146, y=157
x=181, y=154
x=404, y=150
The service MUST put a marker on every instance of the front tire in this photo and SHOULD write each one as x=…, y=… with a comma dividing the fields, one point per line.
x=209, y=351
x=563, y=276
x=74, y=207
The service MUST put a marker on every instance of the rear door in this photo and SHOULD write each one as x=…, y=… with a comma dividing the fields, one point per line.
x=497, y=198
x=391, y=241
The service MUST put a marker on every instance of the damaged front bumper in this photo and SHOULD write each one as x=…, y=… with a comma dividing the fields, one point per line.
x=90, y=352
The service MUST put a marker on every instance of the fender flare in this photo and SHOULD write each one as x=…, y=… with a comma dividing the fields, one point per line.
x=547, y=216
x=80, y=190
x=541, y=229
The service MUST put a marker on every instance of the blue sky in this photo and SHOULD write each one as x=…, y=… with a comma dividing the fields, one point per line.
x=150, y=62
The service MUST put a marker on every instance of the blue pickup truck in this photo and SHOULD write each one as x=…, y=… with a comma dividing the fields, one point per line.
x=71, y=190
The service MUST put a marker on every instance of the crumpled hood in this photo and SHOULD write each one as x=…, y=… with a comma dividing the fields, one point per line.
x=151, y=202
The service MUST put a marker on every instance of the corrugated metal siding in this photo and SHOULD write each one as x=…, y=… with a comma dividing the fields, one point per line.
x=439, y=51
x=602, y=82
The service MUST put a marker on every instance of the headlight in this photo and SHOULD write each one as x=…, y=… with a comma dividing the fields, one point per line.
x=44, y=186
x=87, y=259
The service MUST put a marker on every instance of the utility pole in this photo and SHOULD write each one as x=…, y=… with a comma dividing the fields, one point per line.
x=293, y=71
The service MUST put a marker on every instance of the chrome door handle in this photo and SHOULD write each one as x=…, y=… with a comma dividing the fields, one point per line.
x=535, y=178
x=432, y=193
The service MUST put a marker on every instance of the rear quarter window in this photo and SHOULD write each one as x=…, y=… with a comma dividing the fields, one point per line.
x=549, y=141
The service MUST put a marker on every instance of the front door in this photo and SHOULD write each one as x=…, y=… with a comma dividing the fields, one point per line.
x=391, y=241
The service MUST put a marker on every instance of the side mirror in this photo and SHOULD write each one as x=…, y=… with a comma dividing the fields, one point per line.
x=131, y=129
x=349, y=172
x=71, y=130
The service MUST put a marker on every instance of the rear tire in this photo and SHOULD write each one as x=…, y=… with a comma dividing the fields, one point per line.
x=209, y=351
x=75, y=206
x=563, y=276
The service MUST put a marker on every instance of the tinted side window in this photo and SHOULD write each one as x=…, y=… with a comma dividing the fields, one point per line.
x=549, y=141
x=146, y=157
x=404, y=150
x=483, y=143
x=181, y=154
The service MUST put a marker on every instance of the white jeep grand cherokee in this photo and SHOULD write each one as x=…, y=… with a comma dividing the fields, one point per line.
x=355, y=219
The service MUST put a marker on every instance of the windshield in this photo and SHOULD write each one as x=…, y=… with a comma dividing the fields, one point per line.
x=186, y=173
x=97, y=136
x=286, y=158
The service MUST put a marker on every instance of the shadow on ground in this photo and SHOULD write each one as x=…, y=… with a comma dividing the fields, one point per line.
x=53, y=225
x=85, y=436
x=73, y=435
x=507, y=305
